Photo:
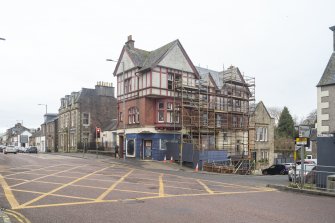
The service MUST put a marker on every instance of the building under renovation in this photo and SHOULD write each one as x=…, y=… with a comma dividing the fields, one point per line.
x=163, y=98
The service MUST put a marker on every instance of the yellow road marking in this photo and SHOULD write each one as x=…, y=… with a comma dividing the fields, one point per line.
x=8, y=193
x=104, y=194
x=205, y=186
x=161, y=186
x=34, y=170
x=143, y=198
x=26, y=220
x=61, y=187
x=48, y=175
x=15, y=216
x=55, y=195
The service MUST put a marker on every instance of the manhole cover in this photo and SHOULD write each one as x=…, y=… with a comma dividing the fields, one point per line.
x=153, y=188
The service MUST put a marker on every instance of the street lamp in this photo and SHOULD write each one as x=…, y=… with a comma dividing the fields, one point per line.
x=45, y=123
x=123, y=109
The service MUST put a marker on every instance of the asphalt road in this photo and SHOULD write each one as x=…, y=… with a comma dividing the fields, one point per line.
x=47, y=188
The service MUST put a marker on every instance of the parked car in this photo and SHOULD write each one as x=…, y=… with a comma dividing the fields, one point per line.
x=10, y=149
x=275, y=169
x=307, y=169
x=32, y=149
x=2, y=147
x=21, y=149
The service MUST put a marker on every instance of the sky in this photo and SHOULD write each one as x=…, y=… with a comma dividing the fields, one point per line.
x=53, y=48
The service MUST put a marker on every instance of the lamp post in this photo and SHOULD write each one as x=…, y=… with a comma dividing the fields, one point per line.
x=45, y=123
x=123, y=109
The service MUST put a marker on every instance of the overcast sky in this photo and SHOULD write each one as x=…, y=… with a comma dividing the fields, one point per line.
x=53, y=48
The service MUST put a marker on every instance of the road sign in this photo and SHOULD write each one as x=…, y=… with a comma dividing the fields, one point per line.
x=304, y=131
x=302, y=141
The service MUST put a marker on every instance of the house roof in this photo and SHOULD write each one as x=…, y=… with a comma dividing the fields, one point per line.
x=36, y=134
x=110, y=126
x=149, y=59
x=205, y=73
x=328, y=77
x=154, y=57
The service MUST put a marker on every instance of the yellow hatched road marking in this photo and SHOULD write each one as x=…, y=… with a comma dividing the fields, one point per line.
x=26, y=220
x=15, y=216
x=8, y=193
x=143, y=198
x=48, y=175
x=55, y=195
x=104, y=194
x=61, y=187
x=205, y=186
x=161, y=186
x=35, y=169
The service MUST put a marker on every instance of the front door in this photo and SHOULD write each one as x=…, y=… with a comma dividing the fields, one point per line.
x=147, y=146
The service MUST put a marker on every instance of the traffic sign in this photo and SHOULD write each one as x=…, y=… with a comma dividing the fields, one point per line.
x=304, y=131
x=302, y=141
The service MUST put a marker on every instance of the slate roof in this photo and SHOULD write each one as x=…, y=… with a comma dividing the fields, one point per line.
x=204, y=74
x=148, y=59
x=110, y=126
x=154, y=57
x=328, y=77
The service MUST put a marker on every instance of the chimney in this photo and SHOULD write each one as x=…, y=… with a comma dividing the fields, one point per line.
x=333, y=29
x=130, y=42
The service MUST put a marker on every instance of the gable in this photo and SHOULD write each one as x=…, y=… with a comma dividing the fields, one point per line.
x=176, y=59
x=261, y=113
x=128, y=63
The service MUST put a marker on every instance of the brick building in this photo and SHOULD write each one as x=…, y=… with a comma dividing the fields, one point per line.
x=81, y=112
x=163, y=97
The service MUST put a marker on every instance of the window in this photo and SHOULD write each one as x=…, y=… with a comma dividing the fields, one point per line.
x=218, y=120
x=121, y=117
x=127, y=85
x=169, y=112
x=225, y=136
x=86, y=119
x=205, y=119
x=262, y=134
x=264, y=155
x=237, y=103
x=162, y=143
x=241, y=122
x=234, y=121
x=133, y=115
x=170, y=81
x=131, y=147
x=160, y=112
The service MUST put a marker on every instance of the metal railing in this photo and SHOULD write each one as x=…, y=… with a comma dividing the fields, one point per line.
x=315, y=177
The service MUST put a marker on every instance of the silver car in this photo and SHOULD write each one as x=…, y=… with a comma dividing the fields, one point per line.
x=307, y=168
x=10, y=149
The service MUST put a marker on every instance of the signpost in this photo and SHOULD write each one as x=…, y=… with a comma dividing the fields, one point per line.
x=303, y=141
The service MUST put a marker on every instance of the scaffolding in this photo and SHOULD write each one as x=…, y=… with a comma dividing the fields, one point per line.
x=215, y=116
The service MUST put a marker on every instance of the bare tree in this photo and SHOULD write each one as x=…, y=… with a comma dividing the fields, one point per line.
x=275, y=113
x=311, y=118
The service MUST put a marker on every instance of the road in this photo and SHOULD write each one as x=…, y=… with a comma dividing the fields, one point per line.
x=46, y=188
